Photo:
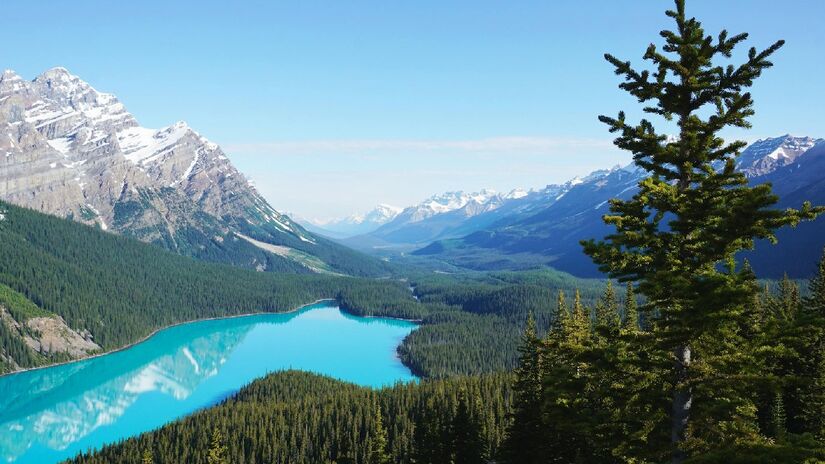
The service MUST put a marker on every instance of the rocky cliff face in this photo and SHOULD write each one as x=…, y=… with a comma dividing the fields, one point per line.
x=69, y=150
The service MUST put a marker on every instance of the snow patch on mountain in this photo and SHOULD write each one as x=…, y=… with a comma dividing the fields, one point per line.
x=141, y=145
x=86, y=154
x=766, y=155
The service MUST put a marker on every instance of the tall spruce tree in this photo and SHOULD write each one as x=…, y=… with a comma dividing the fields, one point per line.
x=815, y=302
x=607, y=309
x=217, y=449
x=631, y=309
x=377, y=452
x=468, y=445
x=524, y=438
x=812, y=354
x=677, y=237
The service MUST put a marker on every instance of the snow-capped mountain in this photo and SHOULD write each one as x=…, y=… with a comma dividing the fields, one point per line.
x=72, y=151
x=469, y=203
x=767, y=155
x=440, y=216
x=515, y=194
x=545, y=227
x=356, y=224
x=381, y=214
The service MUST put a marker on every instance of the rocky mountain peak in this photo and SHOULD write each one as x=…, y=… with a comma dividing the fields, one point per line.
x=82, y=155
x=61, y=86
x=766, y=155
x=517, y=193
x=11, y=83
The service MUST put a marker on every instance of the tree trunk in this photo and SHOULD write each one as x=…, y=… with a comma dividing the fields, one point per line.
x=682, y=398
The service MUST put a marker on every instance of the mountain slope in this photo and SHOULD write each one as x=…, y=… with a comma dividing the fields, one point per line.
x=303, y=418
x=798, y=249
x=68, y=290
x=550, y=235
x=75, y=152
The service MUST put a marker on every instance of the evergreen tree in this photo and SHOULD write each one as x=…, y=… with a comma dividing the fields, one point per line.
x=467, y=443
x=631, y=311
x=524, y=438
x=678, y=236
x=778, y=417
x=147, y=457
x=812, y=352
x=579, y=326
x=567, y=403
x=815, y=302
x=788, y=303
x=217, y=449
x=562, y=315
x=377, y=452
x=607, y=308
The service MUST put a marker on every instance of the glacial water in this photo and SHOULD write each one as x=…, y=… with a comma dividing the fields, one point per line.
x=51, y=414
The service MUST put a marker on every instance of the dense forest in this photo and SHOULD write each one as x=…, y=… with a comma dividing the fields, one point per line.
x=296, y=417
x=588, y=388
x=120, y=290
x=595, y=387
x=717, y=370
x=683, y=357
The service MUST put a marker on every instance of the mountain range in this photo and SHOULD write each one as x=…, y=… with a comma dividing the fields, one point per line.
x=544, y=226
x=72, y=151
x=356, y=224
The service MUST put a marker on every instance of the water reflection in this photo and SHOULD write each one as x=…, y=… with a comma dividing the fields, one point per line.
x=51, y=414
x=59, y=406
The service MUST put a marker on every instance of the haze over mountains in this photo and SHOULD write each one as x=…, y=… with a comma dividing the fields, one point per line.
x=355, y=224
x=69, y=150
x=544, y=227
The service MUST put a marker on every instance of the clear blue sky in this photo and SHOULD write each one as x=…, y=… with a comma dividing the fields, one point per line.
x=334, y=106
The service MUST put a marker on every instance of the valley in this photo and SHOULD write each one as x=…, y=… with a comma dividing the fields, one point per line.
x=646, y=284
x=542, y=227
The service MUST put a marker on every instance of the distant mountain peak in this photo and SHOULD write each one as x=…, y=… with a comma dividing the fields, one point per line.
x=517, y=193
x=10, y=83
x=354, y=224
x=59, y=83
x=10, y=74
x=766, y=155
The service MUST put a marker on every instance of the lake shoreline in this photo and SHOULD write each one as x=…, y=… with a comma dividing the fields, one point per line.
x=190, y=367
x=156, y=331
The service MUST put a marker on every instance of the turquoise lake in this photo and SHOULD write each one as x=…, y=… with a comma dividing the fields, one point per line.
x=51, y=414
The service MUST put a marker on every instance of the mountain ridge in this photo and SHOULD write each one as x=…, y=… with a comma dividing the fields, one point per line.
x=75, y=152
x=550, y=235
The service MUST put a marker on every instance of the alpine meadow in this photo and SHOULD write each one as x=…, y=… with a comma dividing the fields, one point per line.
x=641, y=288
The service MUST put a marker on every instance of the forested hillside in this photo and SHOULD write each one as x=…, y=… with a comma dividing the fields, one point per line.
x=114, y=291
x=460, y=420
x=594, y=389
x=471, y=323
x=118, y=289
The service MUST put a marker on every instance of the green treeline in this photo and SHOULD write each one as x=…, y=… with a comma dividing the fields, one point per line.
x=120, y=290
x=475, y=320
x=595, y=388
x=300, y=418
